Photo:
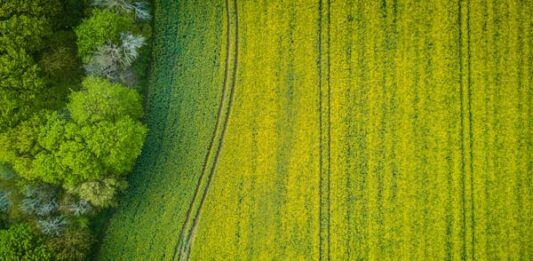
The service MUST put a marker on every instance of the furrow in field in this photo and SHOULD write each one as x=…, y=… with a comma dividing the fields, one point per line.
x=188, y=231
x=501, y=111
x=324, y=92
x=185, y=229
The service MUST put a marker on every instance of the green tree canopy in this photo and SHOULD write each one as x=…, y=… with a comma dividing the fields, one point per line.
x=25, y=24
x=100, y=193
x=25, y=32
x=103, y=26
x=19, y=243
x=66, y=158
x=19, y=145
x=20, y=82
x=73, y=153
x=102, y=100
x=43, y=8
x=116, y=144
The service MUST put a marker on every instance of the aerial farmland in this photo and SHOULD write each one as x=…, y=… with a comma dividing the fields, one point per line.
x=333, y=130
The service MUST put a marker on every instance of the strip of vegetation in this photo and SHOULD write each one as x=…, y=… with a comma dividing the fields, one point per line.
x=70, y=119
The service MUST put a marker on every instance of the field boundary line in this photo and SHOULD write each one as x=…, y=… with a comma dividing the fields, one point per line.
x=464, y=48
x=329, y=129
x=183, y=246
x=470, y=132
x=325, y=129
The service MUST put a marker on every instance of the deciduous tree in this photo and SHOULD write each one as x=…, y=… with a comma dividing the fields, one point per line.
x=19, y=243
x=100, y=99
x=104, y=26
x=20, y=84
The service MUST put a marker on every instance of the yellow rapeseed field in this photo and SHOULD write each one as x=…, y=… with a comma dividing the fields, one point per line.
x=334, y=130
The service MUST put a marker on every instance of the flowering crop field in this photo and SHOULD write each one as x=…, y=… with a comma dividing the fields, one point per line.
x=334, y=130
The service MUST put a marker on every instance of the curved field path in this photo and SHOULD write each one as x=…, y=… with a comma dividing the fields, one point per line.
x=189, y=227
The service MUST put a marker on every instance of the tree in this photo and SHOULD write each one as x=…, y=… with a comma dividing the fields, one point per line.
x=115, y=144
x=79, y=208
x=60, y=64
x=52, y=226
x=105, y=63
x=74, y=244
x=139, y=8
x=39, y=201
x=66, y=157
x=25, y=24
x=20, y=83
x=5, y=202
x=38, y=8
x=111, y=60
x=130, y=45
x=102, y=100
x=73, y=152
x=101, y=193
x=19, y=243
x=24, y=32
x=19, y=145
x=104, y=26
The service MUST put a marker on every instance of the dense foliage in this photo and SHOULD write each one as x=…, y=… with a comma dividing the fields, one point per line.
x=103, y=100
x=102, y=27
x=67, y=141
x=19, y=243
x=20, y=84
